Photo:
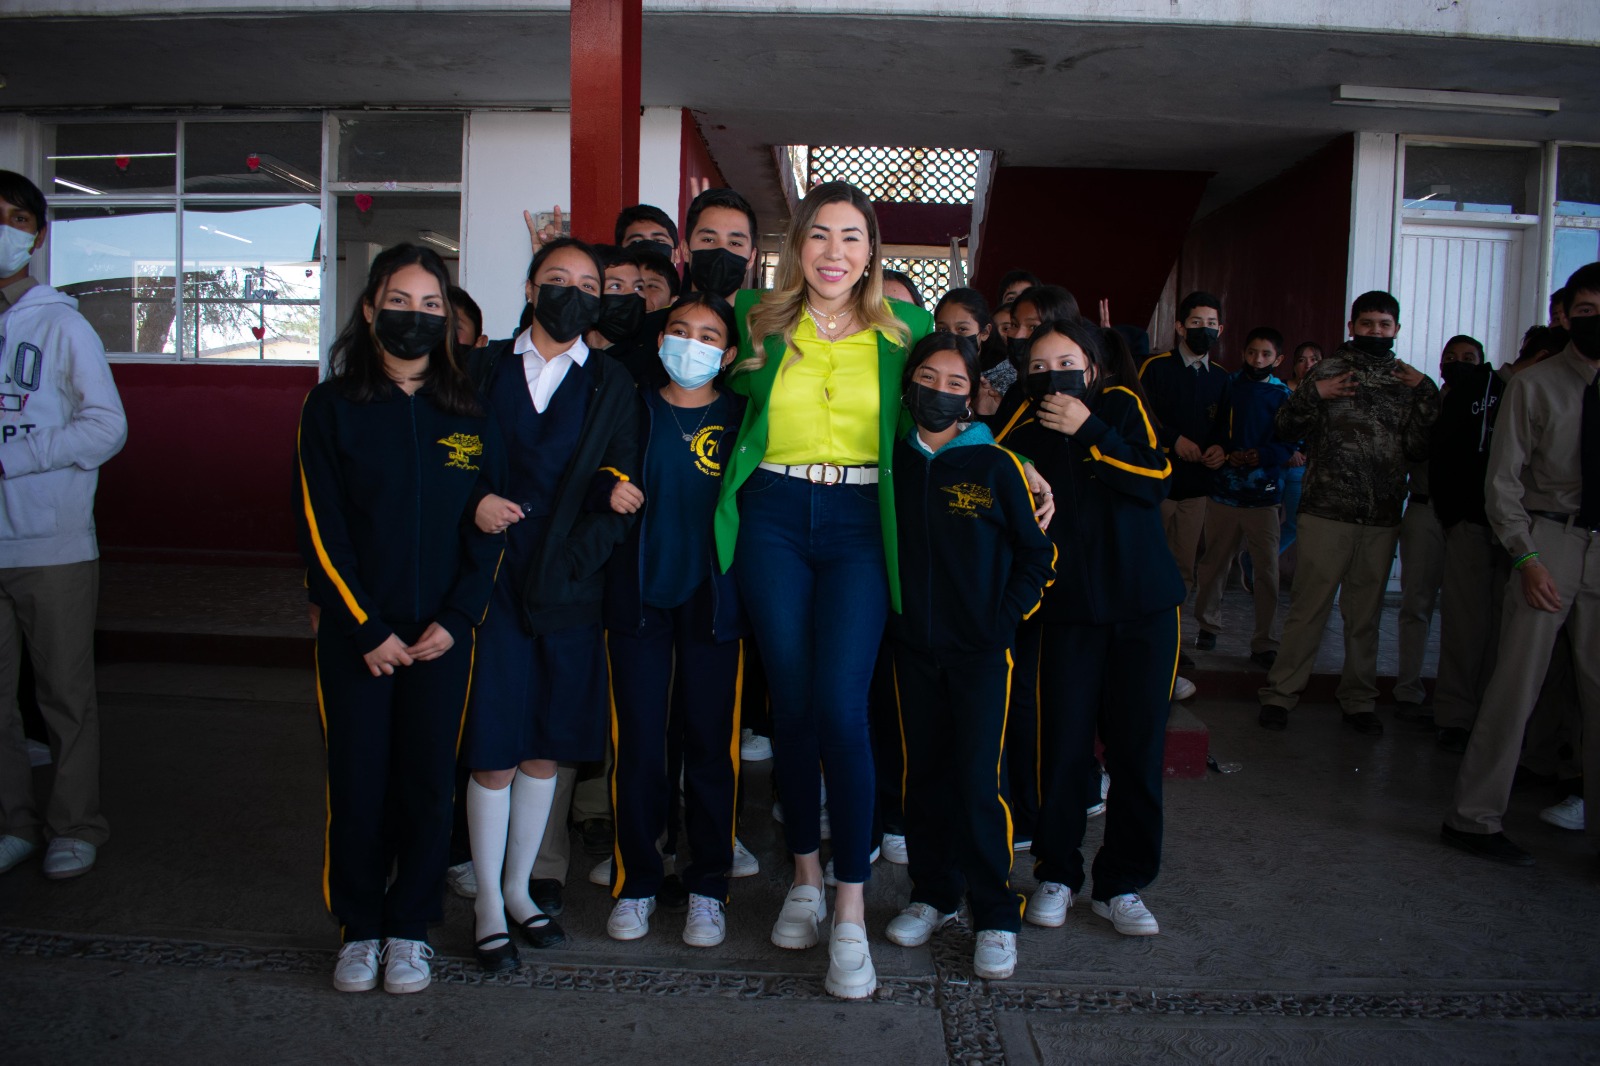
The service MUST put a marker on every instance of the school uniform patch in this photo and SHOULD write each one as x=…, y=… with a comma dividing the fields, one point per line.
x=463, y=447
x=968, y=498
x=704, y=446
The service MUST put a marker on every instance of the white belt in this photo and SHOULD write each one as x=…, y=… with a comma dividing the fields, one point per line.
x=827, y=473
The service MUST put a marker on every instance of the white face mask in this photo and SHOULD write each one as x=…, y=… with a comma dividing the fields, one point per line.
x=688, y=362
x=16, y=248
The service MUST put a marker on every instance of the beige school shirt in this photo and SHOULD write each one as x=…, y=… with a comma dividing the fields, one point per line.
x=1534, y=461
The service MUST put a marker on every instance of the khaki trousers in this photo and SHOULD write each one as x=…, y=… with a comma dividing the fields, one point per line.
x=1226, y=527
x=1527, y=635
x=1556, y=720
x=1184, y=520
x=54, y=608
x=1475, y=572
x=555, y=850
x=1421, y=574
x=1352, y=562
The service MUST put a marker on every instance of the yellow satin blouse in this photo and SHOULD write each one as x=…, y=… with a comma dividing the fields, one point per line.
x=824, y=407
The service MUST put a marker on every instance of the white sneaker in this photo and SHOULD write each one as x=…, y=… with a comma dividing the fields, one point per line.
x=744, y=863
x=797, y=922
x=630, y=918
x=1105, y=789
x=405, y=966
x=996, y=954
x=1568, y=814
x=1129, y=916
x=827, y=871
x=1049, y=904
x=357, y=967
x=600, y=873
x=850, y=972
x=1182, y=688
x=753, y=748
x=915, y=926
x=68, y=857
x=707, y=925
x=14, y=850
x=462, y=879
x=894, y=848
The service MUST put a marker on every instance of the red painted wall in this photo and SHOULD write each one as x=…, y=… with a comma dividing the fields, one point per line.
x=208, y=470
x=923, y=223
x=696, y=169
x=1278, y=255
x=1104, y=234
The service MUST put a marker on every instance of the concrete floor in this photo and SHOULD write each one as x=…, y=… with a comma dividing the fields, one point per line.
x=1308, y=914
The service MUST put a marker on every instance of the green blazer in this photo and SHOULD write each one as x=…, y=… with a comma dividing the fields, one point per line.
x=751, y=446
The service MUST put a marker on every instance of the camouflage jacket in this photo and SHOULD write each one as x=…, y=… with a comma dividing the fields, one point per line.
x=1357, y=449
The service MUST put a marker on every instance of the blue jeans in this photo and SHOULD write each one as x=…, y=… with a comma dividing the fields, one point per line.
x=1293, y=479
x=812, y=577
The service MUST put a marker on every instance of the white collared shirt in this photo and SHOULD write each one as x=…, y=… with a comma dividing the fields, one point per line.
x=546, y=375
x=1190, y=360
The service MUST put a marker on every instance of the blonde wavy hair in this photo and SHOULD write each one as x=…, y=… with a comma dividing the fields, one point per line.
x=781, y=308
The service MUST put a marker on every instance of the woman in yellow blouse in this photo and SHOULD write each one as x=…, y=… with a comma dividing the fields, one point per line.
x=806, y=515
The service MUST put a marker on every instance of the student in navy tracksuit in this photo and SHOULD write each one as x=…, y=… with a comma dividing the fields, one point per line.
x=973, y=561
x=1110, y=643
x=394, y=450
x=569, y=420
x=673, y=624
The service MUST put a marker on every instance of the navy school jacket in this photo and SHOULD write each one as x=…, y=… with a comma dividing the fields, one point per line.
x=1109, y=479
x=1183, y=403
x=973, y=560
x=386, y=494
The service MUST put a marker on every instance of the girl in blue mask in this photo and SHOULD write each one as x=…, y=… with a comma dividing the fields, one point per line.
x=673, y=621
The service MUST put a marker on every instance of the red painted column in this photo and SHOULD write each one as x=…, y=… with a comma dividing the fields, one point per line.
x=605, y=113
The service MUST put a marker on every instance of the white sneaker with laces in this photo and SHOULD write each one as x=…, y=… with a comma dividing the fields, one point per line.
x=630, y=918
x=1049, y=904
x=894, y=848
x=996, y=954
x=356, y=969
x=68, y=857
x=14, y=850
x=802, y=912
x=405, y=966
x=1128, y=914
x=600, y=873
x=1568, y=814
x=1182, y=688
x=744, y=863
x=827, y=871
x=850, y=972
x=462, y=879
x=754, y=748
x=915, y=926
x=707, y=925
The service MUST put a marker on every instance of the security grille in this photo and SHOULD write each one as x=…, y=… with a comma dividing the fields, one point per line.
x=898, y=175
x=932, y=274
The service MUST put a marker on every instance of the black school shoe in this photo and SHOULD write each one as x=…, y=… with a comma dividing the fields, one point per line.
x=541, y=931
x=672, y=897
x=1492, y=846
x=1265, y=659
x=497, y=959
x=1365, y=722
x=1206, y=641
x=597, y=836
x=546, y=895
x=1454, y=739
x=1273, y=717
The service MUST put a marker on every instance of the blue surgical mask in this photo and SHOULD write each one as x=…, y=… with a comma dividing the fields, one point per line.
x=690, y=363
x=16, y=248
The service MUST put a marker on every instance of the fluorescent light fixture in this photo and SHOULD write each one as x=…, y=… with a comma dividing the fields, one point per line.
x=289, y=175
x=449, y=244
x=1444, y=100
x=119, y=155
x=79, y=188
x=230, y=236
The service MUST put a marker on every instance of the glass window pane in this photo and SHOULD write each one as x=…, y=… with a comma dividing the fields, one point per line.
x=389, y=219
x=1498, y=180
x=400, y=148
x=119, y=264
x=119, y=157
x=252, y=281
x=1578, y=181
x=252, y=157
x=1574, y=248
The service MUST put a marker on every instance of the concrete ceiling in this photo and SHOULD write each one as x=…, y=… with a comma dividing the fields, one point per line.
x=1242, y=103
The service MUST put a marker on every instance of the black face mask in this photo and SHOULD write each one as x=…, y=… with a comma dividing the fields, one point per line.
x=1198, y=339
x=933, y=410
x=1373, y=345
x=1458, y=375
x=566, y=311
x=655, y=246
x=717, y=270
x=1042, y=383
x=1585, y=333
x=1017, y=351
x=620, y=315
x=1256, y=373
x=409, y=334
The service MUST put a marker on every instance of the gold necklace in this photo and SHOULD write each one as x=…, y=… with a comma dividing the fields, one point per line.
x=834, y=321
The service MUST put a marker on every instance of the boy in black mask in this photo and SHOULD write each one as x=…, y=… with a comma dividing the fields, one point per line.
x=719, y=241
x=1363, y=415
x=647, y=226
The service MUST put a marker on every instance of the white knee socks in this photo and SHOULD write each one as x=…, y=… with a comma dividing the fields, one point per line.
x=488, y=815
x=530, y=810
